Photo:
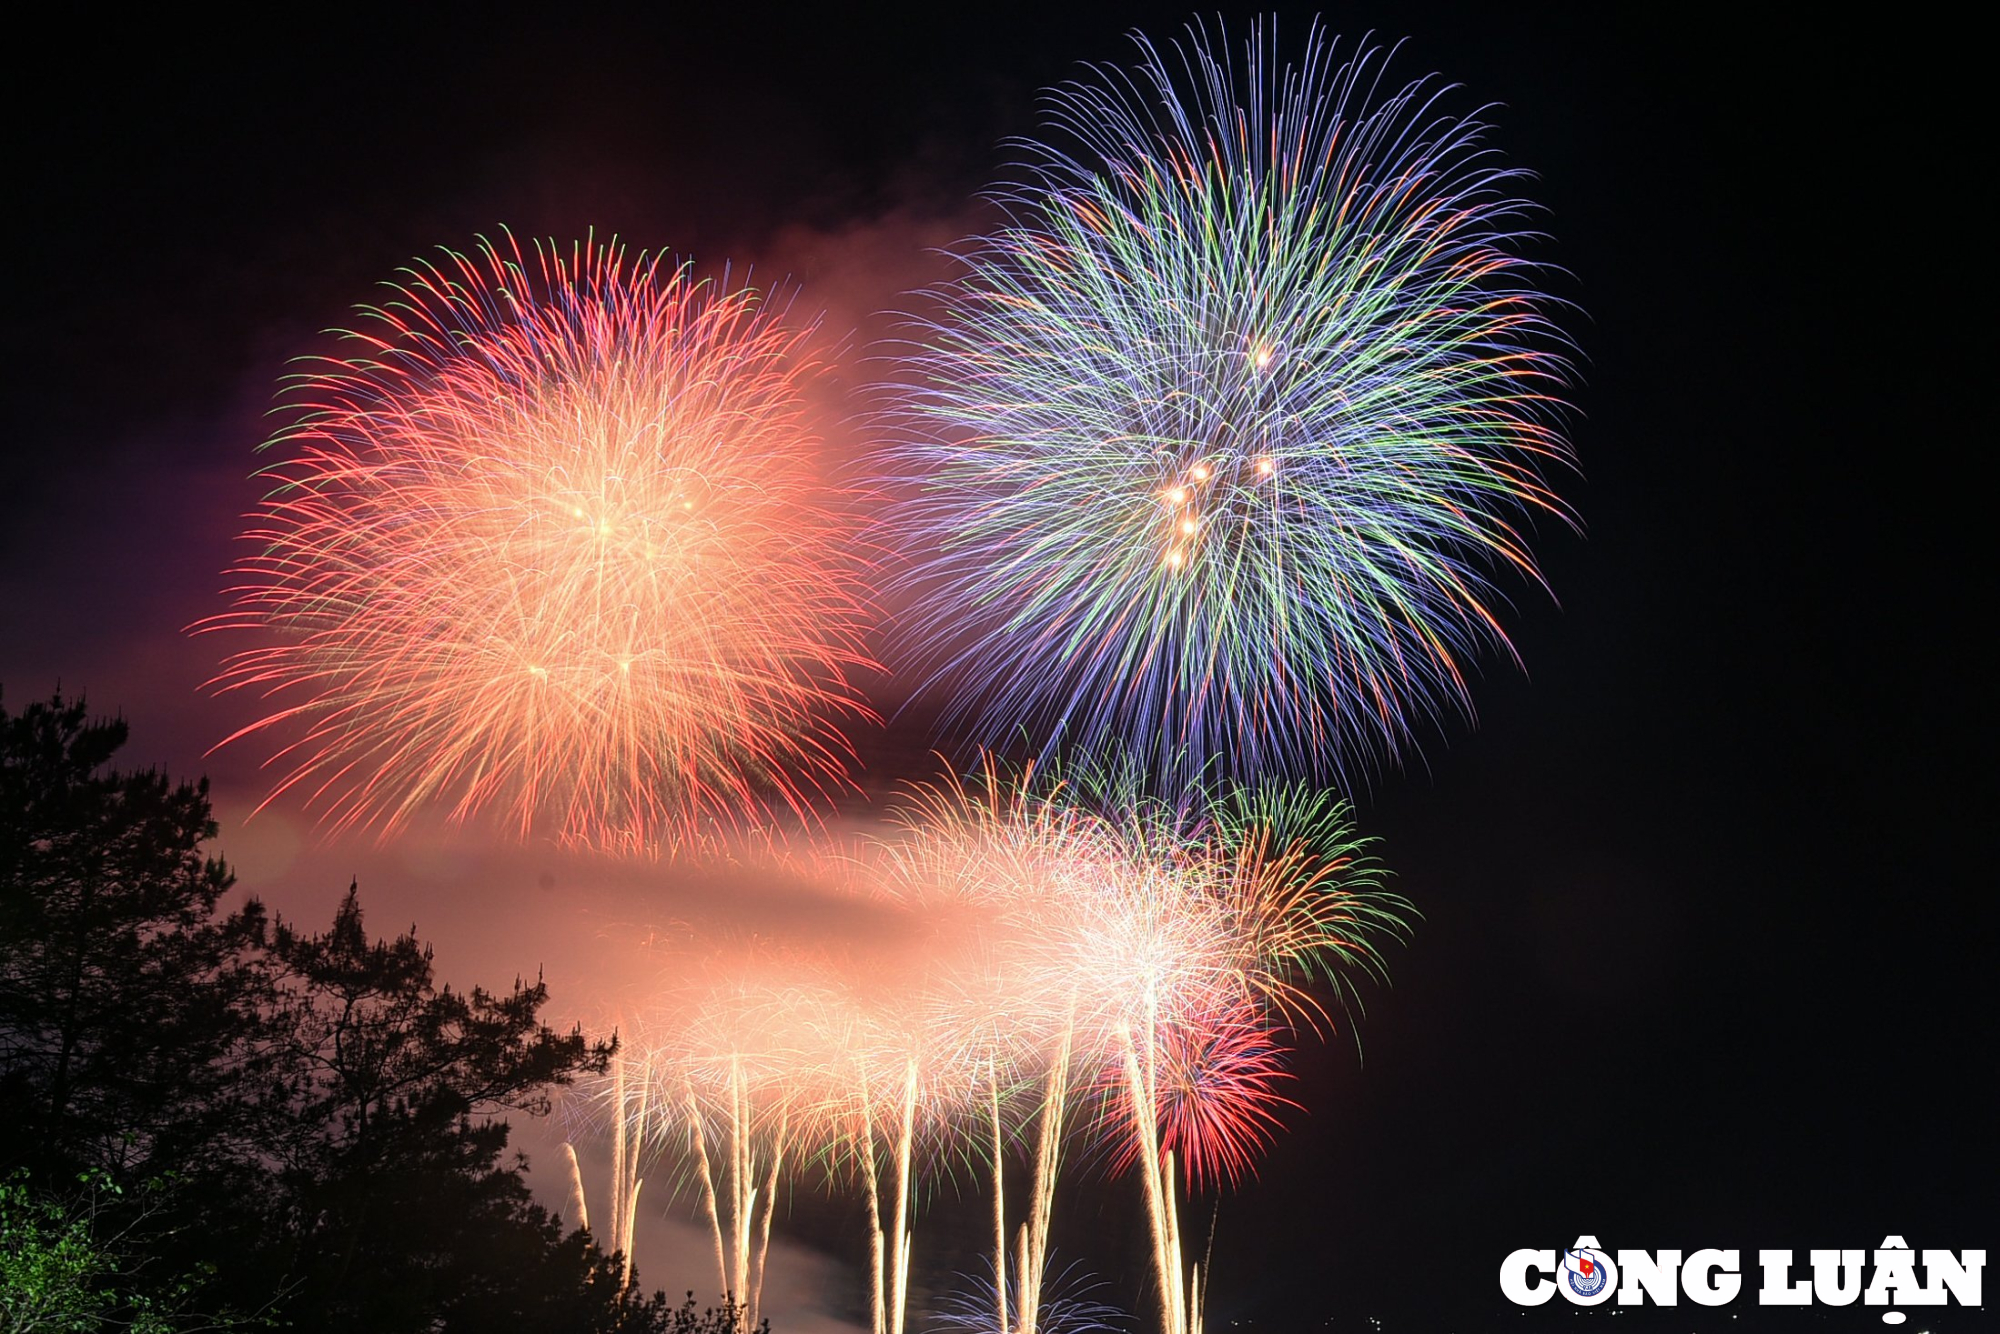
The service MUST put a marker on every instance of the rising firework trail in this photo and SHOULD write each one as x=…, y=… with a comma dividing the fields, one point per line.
x=1223, y=435
x=548, y=542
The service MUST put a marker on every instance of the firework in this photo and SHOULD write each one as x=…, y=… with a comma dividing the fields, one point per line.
x=1070, y=1307
x=1197, y=942
x=550, y=543
x=1221, y=437
x=756, y=1061
x=1156, y=948
x=1215, y=1097
x=1050, y=963
x=714, y=1084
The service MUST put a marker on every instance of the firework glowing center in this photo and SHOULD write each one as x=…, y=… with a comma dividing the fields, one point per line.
x=1224, y=502
x=579, y=555
x=554, y=544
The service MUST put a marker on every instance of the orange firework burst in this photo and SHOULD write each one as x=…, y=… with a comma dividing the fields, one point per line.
x=551, y=544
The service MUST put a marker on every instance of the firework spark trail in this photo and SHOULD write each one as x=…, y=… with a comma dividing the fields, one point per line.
x=617, y=1101
x=1033, y=1239
x=698, y=1147
x=577, y=1200
x=1221, y=436
x=709, y=1079
x=550, y=544
x=744, y=1048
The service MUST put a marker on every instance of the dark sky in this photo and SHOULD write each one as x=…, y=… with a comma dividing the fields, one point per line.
x=1706, y=957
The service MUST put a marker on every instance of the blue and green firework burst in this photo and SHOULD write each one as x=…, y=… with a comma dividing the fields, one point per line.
x=1221, y=440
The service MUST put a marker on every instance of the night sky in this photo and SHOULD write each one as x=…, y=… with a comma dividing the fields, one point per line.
x=1707, y=938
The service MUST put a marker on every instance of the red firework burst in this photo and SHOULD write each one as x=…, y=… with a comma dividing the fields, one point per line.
x=551, y=544
x=1214, y=1085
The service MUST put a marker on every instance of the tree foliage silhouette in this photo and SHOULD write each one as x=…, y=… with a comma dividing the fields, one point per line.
x=316, y=1126
x=121, y=982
